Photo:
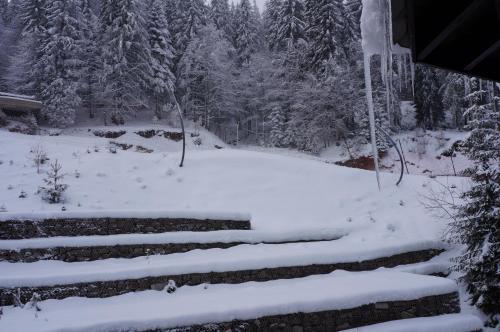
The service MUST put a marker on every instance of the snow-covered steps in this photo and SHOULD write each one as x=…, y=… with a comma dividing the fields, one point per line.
x=333, y=302
x=39, y=225
x=88, y=248
x=445, y=323
x=263, y=262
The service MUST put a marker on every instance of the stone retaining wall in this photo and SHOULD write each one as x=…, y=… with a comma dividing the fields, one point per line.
x=84, y=254
x=118, y=287
x=338, y=320
x=25, y=229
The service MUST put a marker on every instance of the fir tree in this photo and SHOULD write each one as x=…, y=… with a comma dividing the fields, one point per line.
x=219, y=14
x=162, y=55
x=453, y=94
x=277, y=122
x=25, y=70
x=477, y=224
x=326, y=29
x=271, y=21
x=59, y=60
x=125, y=52
x=427, y=97
x=191, y=17
x=291, y=24
x=89, y=56
x=246, y=31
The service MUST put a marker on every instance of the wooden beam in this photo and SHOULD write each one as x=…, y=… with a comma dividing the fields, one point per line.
x=450, y=29
x=489, y=51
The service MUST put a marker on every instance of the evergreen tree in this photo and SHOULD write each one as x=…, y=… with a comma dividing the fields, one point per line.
x=89, y=56
x=4, y=8
x=25, y=71
x=126, y=54
x=219, y=14
x=277, y=123
x=59, y=60
x=326, y=29
x=353, y=9
x=477, y=224
x=291, y=24
x=453, y=94
x=246, y=31
x=427, y=97
x=190, y=18
x=162, y=55
x=271, y=21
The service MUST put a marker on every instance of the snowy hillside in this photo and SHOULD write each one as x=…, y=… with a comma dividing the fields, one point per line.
x=280, y=192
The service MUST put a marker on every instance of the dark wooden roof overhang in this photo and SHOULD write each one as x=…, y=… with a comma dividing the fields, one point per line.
x=457, y=35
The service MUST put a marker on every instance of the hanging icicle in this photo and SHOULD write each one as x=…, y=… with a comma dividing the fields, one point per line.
x=376, y=31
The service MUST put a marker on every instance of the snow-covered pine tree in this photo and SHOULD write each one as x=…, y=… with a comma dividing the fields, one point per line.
x=477, y=223
x=54, y=189
x=246, y=31
x=454, y=102
x=162, y=55
x=4, y=7
x=291, y=24
x=353, y=9
x=125, y=53
x=60, y=62
x=219, y=14
x=89, y=56
x=326, y=28
x=25, y=71
x=277, y=123
x=427, y=98
x=191, y=16
x=271, y=20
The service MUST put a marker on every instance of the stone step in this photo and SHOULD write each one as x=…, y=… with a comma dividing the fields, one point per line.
x=99, y=279
x=333, y=302
x=91, y=248
x=15, y=226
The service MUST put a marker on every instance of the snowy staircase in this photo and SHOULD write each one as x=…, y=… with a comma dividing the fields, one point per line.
x=119, y=267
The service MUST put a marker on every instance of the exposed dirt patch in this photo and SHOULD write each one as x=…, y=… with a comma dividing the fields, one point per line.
x=363, y=162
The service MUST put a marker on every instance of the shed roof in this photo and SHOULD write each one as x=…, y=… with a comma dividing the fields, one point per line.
x=13, y=102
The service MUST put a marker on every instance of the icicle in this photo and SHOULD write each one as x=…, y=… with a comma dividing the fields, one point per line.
x=412, y=69
x=371, y=113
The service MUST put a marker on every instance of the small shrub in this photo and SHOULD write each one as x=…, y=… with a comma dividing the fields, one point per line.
x=39, y=157
x=54, y=189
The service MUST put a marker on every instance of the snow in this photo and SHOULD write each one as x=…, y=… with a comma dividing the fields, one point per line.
x=448, y=323
x=251, y=237
x=222, y=303
x=79, y=215
x=280, y=192
x=240, y=258
x=16, y=96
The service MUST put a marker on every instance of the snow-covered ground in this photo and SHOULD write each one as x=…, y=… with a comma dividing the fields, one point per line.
x=279, y=192
x=293, y=194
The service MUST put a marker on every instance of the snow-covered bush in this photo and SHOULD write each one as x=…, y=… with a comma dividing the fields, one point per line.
x=54, y=189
